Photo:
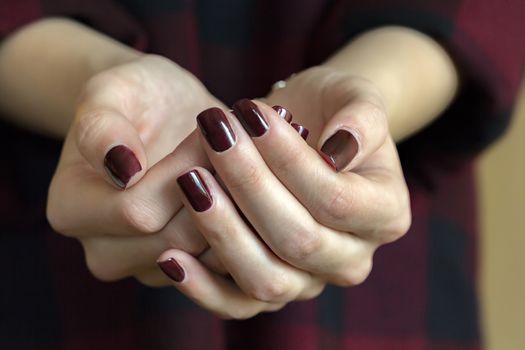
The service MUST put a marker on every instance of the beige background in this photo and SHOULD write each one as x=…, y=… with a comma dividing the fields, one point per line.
x=501, y=182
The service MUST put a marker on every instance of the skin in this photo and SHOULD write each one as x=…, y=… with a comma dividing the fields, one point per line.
x=383, y=86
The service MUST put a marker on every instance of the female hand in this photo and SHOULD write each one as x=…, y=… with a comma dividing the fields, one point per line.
x=310, y=217
x=129, y=118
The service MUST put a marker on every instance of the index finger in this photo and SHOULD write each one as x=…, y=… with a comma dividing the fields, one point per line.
x=81, y=203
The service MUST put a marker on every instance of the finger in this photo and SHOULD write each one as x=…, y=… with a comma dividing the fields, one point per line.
x=277, y=216
x=153, y=277
x=212, y=262
x=209, y=290
x=355, y=131
x=82, y=204
x=255, y=269
x=111, y=258
x=372, y=198
x=110, y=143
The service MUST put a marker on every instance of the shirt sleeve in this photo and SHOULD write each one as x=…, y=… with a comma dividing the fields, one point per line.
x=484, y=38
x=108, y=17
x=16, y=13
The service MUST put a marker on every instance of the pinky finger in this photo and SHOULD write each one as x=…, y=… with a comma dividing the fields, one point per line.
x=154, y=277
x=213, y=292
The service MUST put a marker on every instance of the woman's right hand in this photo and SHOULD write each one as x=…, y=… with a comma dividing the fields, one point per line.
x=114, y=188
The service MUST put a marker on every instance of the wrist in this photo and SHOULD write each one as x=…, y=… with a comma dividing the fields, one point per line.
x=43, y=67
x=415, y=75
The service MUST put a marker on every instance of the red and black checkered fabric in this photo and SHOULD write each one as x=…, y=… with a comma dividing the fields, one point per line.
x=422, y=291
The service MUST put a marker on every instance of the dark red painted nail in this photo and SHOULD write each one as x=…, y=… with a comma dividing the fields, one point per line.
x=121, y=164
x=340, y=148
x=250, y=117
x=301, y=130
x=283, y=113
x=195, y=190
x=216, y=129
x=328, y=160
x=172, y=269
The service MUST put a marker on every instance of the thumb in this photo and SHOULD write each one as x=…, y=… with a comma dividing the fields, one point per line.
x=352, y=134
x=111, y=144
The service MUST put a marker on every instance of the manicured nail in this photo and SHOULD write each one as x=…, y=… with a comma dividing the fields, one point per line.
x=216, y=128
x=301, y=130
x=250, y=117
x=283, y=113
x=195, y=190
x=328, y=160
x=172, y=269
x=121, y=164
x=340, y=149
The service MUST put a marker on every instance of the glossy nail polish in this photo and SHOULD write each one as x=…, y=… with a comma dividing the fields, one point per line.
x=301, y=130
x=328, y=161
x=121, y=164
x=340, y=149
x=195, y=190
x=283, y=113
x=172, y=269
x=216, y=129
x=250, y=117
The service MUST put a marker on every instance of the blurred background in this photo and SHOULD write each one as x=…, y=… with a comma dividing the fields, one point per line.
x=502, y=198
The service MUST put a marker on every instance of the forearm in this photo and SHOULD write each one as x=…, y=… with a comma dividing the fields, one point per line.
x=416, y=77
x=43, y=67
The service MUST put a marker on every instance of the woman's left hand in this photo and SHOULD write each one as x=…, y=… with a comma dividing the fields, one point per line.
x=309, y=217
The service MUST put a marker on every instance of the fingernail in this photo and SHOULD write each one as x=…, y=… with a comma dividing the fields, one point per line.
x=195, y=190
x=121, y=164
x=283, y=113
x=172, y=269
x=340, y=149
x=216, y=129
x=328, y=160
x=301, y=130
x=250, y=117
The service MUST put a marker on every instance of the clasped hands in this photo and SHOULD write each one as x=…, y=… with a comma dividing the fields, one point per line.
x=239, y=212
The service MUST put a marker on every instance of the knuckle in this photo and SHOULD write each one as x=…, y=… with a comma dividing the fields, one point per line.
x=215, y=229
x=372, y=118
x=376, y=114
x=88, y=127
x=406, y=217
x=400, y=222
x=285, y=159
x=183, y=235
x=336, y=206
x=99, y=267
x=56, y=219
x=140, y=215
x=313, y=292
x=279, y=288
x=356, y=274
x=397, y=228
x=300, y=245
x=251, y=177
x=405, y=224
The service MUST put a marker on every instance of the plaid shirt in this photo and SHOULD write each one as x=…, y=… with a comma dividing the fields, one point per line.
x=422, y=291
